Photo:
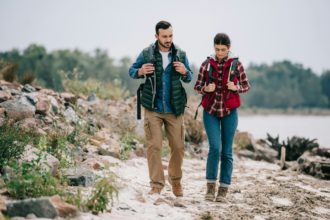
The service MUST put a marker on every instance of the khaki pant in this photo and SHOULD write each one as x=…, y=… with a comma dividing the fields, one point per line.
x=174, y=128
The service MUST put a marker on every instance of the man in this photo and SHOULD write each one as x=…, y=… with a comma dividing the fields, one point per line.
x=164, y=66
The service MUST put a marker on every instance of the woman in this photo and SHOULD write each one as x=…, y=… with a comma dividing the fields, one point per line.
x=220, y=102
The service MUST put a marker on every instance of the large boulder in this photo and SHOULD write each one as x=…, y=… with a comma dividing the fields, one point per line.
x=18, y=109
x=44, y=207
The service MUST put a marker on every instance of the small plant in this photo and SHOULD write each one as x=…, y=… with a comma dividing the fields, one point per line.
x=8, y=72
x=29, y=180
x=127, y=144
x=27, y=78
x=102, y=196
x=206, y=216
x=12, y=142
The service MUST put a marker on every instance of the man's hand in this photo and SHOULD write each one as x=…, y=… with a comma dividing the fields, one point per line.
x=180, y=68
x=147, y=68
x=210, y=87
x=231, y=86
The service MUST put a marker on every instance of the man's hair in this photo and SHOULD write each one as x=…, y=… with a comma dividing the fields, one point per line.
x=222, y=38
x=162, y=25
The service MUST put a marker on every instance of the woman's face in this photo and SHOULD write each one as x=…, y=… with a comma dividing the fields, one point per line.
x=221, y=51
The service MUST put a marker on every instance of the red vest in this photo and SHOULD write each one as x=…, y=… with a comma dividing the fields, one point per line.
x=231, y=98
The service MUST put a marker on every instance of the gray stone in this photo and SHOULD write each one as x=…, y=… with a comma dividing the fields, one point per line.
x=41, y=207
x=18, y=109
x=28, y=88
x=79, y=176
x=70, y=115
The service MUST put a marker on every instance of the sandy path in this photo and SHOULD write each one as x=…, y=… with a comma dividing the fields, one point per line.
x=259, y=191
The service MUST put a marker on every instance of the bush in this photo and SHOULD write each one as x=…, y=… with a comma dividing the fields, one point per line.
x=101, y=196
x=8, y=72
x=27, y=78
x=12, y=143
x=30, y=181
x=103, y=90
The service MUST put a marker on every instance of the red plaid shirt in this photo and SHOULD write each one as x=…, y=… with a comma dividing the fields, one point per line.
x=217, y=107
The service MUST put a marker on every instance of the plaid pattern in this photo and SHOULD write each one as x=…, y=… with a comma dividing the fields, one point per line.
x=217, y=107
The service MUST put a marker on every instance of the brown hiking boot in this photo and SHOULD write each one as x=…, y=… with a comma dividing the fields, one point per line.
x=176, y=187
x=222, y=192
x=210, y=191
x=154, y=190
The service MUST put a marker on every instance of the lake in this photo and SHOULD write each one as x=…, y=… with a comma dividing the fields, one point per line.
x=287, y=126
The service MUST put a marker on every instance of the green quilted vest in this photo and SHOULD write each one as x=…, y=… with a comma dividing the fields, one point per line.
x=154, y=82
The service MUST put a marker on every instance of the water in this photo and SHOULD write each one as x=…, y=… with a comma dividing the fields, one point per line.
x=313, y=127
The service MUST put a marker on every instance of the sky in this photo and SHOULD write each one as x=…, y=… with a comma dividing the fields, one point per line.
x=261, y=31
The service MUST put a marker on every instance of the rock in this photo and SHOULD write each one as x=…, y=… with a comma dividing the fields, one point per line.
x=79, y=176
x=92, y=98
x=4, y=96
x=314, y=165
x=2, y=112
x=48, y=162
x=28, y=88
x=71, y=116
x=3, y=206
x=29, y=124
x=44, y=207
x=69, y=97
x=18, y=109
x=244, y=140
x=54, y=104
x=64, y=209
x=43, y=105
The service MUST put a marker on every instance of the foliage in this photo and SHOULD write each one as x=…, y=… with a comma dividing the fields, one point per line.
x=8, y=72
x=102, y=195
x=29, y=180
x=12, y=143
x=103, y=90
x=283, y=85
x=127, y=144
x=295, y=146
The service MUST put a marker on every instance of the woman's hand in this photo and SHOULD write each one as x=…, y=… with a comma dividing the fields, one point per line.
x=210, y=87
x=231, y=86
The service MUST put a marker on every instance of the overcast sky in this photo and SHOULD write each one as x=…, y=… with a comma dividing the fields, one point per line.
x=262, y=31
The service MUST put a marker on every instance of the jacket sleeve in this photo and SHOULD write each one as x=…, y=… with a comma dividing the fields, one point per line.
x=188, y=77
x=201, y=80
x=133, y=70
x=243, y=82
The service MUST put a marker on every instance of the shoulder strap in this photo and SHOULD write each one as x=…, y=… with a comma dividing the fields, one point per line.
x=148, y=54
x=232, y=70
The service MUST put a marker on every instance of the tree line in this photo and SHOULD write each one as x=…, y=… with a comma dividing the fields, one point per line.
x=279, y=85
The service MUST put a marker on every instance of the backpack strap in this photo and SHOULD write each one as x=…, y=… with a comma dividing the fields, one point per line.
x=210, y=78
x=232, y=70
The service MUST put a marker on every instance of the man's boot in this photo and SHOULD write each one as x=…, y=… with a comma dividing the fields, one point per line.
x=176, y=187
x=210, y=191
x=155, y=190
x=222, y=193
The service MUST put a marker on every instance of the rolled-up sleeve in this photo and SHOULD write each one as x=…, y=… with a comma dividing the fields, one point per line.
x=188, y=77
x=201, y=80
x=243, y=82
x=133, y=70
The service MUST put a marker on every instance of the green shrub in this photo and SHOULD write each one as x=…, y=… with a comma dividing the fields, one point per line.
x=30, y=181
x=102, y=196
x=104, y=90
x=12, y=143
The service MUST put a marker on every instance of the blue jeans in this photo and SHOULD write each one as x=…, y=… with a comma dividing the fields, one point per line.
x=220, y=133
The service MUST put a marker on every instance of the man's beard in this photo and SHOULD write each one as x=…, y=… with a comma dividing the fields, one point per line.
x=166, y=45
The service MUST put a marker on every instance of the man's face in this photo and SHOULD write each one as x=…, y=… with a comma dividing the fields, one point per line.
x=165, y=37
x=221, y=51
